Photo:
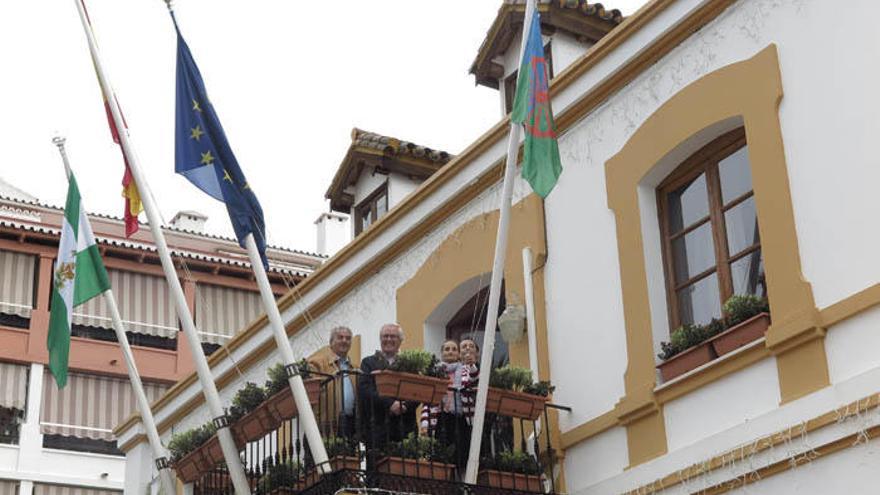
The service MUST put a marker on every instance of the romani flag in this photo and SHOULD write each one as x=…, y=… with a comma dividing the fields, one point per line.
x=531, y=107
x=79, y=276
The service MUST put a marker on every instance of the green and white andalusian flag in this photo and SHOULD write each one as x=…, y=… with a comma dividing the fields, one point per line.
x=79, y=276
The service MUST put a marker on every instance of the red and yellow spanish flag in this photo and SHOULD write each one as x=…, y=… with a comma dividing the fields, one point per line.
x=133, y=205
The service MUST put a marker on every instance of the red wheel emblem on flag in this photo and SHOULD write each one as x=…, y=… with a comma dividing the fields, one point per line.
x=539, y=122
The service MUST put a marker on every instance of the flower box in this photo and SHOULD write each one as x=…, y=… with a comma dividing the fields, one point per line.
x=408, y=386
x=282, y=406
x=737, y=336
x=337, y=463
x=213, y=451
x=511, y=481
x=191, y=466
x=683, y=362
x=418, y=468
x=254, y=425
x=515, y=404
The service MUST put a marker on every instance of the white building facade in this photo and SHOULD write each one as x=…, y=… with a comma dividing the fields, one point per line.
x=775, y=100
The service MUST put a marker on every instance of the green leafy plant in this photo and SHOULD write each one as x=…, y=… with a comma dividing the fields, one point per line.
x=542, y=388
x=278, y=376
x=187, y=441
x=740, y=308
x=737, y=309
x=339, y=446
x=415, y=361
x=425, y=448
x=512, y=462
x=285, y=474
x=519, y=379
x=246, y=400
x=687, y=336
x=510, y=378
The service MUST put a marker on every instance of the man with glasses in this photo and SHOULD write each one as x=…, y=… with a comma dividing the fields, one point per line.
x=384, y=419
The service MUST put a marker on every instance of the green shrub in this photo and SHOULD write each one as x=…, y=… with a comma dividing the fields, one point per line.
x=740, y=308
x=278, y=376
x=246, y=400
x=424, y=447
x=339, y=446
x=687, y=336
x=285, y=474
x=415, y=361
x=519, y=379
x=542, y=388
x=737, y=309
x=185, y=442
x=512, y=462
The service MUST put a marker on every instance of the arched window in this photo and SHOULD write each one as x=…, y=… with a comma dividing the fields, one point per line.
x=709, y=228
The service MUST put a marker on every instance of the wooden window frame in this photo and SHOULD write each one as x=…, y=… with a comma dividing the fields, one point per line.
x=706, y=160
x=369, y=201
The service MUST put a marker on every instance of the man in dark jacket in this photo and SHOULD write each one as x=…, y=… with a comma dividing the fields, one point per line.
x=384, y=418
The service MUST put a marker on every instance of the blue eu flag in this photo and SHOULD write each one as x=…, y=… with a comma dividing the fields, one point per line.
x=202, y=153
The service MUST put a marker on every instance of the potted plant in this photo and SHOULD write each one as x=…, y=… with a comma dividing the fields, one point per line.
x=511, y=470
x=187, y=456
x=513, y=393
x=688, y=348
x=281, y=479
x=250, y=419
x=747, y=318
x=414, y=376
x=342, y=453
x=421, y=457
x=280, y=403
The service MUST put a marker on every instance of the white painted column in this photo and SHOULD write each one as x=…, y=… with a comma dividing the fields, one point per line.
x=139, y=468
x=26, y=488
x=30, y=443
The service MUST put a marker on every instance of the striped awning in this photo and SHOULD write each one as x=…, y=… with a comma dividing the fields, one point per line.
x=41, y=489
x=13, y=385
x=90, y=406
x=144, y=301
x=17, y=283
x=8, y=487
x=222, y=312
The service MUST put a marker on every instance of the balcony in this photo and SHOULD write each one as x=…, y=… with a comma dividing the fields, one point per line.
x=366, y=453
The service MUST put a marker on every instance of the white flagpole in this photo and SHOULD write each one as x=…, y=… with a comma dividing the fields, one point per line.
x=473, y=463
x=159, y=453
x=532, y=334
x=306, y=414
x=206, y=380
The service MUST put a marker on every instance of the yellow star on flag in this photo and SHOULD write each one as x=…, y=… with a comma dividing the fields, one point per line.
x=246, y=187
x=196, y=106
x=226, y=175
x=196, y=133
x=207, y=158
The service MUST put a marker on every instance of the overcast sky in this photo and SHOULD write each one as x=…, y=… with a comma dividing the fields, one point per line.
x=289, y=80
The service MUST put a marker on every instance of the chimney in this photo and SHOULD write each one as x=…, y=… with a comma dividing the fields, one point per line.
x=333, y=232
x=189, y=220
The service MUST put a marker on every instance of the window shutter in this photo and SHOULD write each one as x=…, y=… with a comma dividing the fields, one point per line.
x=144, y=301
x=13, y=385
x=17, y=283
x=8, y=487
x=42, y=489
x=90, y=406
x=221, y=312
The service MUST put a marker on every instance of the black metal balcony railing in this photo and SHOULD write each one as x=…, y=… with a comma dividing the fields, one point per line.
x=358, y=446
